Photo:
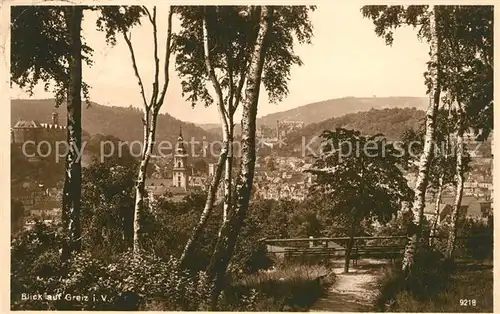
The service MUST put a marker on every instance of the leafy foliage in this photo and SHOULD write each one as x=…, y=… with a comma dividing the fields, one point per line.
x=17, y=214
x=362, y=175
x=40, y=48
x=391, y=122
x=113, y=19
x=387, y=18
x=443, y=163
x=126, y=283
x=226, y=25
x=466, y=61
x=107, y=203
x=465, y=36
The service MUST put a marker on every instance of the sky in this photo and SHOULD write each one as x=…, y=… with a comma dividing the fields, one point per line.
x=345, y=59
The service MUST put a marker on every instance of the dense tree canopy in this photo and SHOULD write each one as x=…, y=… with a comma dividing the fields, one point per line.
x=40, y=48
x=362, y=175
x=227, y=25
x=465, y=36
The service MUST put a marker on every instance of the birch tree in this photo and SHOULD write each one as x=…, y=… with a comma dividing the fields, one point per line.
x=230, y=228
x=385, y=19
x=425, y=159
x=468, y=75
x=442, y=33
x=73, y=174
x=443, y=163
x=112, y=21
x=47, y=48
x=197, y=62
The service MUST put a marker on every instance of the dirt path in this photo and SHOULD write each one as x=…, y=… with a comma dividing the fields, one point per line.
x=352, y=292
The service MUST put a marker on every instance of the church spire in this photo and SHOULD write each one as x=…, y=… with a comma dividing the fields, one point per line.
x=180, y=150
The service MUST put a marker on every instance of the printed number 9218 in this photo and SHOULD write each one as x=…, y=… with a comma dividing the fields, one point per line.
x=467, y=302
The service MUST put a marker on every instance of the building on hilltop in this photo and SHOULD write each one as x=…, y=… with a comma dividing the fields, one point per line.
x=24, y=131
x=283, y=128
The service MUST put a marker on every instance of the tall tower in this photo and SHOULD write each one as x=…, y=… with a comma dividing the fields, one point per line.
x=180, y=175
x=55, y=118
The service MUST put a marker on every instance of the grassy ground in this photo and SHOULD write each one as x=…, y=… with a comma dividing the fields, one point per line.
x=470, y=289
x=290, y=288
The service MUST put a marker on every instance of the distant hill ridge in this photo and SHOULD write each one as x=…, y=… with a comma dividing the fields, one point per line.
x=125, y=122
x=332, y=108
x=121, y=122
x=391, y=122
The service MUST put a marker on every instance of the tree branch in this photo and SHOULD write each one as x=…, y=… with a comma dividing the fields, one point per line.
x=154, y=94
x=168, y=50
x=148, y=13
x=229, y=60
x=244, y=68
x=239, y=88
x=134, y=65
x=211, y=73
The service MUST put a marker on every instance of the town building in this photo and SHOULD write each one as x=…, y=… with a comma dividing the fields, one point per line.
x=35, y=131
x=180, y=174
x=179, y=182
x=470, y=207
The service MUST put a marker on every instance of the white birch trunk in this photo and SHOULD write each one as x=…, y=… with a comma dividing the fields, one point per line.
x=425, y=158
x=73, y=174
x=230, y=229
x=458, y=193
x=436, y=218
x=228, y=172
x=140, y=188
x=151, y=110
x=222, y=162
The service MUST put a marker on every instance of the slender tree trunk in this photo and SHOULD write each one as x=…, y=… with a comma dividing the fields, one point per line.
x=458, y=193
x=128, y=226
x=140, y=186
x=349, y=246
x=228, y=173
x=151, y=110
x=73, y=174
x=425, y=158
x=226, y=149
x=207, y=210
x=230, y=229
x=436, y=218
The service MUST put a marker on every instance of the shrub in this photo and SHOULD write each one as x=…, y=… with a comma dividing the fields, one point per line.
x=429, y=275
x=86, y=283
x=293, y=288
x=474, y=286
x=36, y=267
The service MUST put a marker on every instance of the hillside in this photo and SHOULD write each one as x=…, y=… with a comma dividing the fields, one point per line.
x=332, y=108
x=390, y=122
x=121, y=122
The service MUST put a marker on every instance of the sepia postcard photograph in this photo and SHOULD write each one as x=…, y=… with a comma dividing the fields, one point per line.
x=335, y=157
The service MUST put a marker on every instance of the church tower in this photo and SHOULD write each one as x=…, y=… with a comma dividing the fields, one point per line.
x=180, y=175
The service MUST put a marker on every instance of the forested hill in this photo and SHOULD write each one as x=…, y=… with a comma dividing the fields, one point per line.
x=332, y=108
x=121, y=122
x=390, y=122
